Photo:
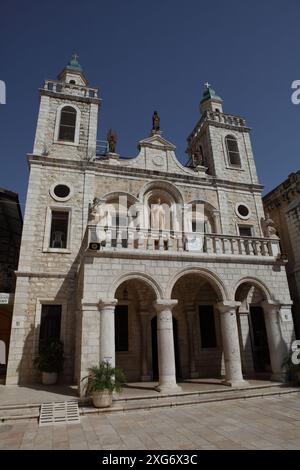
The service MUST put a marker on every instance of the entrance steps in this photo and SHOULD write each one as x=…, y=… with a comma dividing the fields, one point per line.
x=19, y=412
x=140, y=399
x=142, y=403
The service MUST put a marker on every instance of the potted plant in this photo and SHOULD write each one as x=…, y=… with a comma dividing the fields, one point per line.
x=50, y=360
x=102, y=381
x=292, y=369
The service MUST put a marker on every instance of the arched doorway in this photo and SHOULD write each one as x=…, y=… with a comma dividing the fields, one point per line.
x=252, y=329
x=133, y=314
x=199, y=340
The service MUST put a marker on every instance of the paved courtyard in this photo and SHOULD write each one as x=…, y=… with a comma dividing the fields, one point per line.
x=263, y=423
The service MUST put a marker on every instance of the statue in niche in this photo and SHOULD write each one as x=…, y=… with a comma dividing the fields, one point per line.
x=268, y=227
x=158, y=216
x=112, y=139
x=155, y=122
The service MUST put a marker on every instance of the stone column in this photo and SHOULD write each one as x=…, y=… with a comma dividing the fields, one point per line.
x=231, y=344
x=190, y=316
x=277, y=346
x=217, y=221
x=144, y=346
x=87, y=341
x=165, y=345
x=107, y=331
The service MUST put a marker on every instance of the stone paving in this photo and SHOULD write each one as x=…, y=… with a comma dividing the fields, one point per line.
x=264, y=423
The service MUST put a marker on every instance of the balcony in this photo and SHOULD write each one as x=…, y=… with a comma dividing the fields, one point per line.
x=140, y=240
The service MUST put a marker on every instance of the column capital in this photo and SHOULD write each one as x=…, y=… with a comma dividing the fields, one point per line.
x=107, y=303
x=227, y=305
x=164, y=304
x=270, y=305
x=144, y=313
x=215, y=212
x=190, y=312
x=89, y=305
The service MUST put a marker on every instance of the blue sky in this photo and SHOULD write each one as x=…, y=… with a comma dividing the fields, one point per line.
x=146, y=55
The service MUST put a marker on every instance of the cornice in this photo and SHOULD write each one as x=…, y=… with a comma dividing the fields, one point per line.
x=104, y=169
x=284, y=193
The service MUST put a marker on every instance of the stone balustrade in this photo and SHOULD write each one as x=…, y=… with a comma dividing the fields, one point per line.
x=123, y=238
x=70, y=89
x=225, y=118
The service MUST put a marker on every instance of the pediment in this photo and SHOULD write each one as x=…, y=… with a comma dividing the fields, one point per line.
x=156, y=141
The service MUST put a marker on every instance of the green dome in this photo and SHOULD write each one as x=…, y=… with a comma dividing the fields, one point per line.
x=210, y=94
x=74, y=64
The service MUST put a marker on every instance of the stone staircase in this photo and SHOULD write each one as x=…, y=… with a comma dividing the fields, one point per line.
x=155, y=400
x=18, y=412
x=192, y=398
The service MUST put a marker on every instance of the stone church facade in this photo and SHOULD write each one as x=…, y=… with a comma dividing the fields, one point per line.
x=109, y=264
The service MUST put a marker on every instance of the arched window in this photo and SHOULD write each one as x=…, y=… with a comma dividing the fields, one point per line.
x=67, y=124
x=232, y=150
x=201, y=219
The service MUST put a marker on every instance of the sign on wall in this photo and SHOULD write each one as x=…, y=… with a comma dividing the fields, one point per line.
x=4, y=298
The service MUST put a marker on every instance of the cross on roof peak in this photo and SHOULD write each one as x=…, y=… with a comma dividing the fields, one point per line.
x=75, y=56
x=207, y=85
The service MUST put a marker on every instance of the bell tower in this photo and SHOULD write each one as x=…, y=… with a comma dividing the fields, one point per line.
x=67, y=120
x=221, y=142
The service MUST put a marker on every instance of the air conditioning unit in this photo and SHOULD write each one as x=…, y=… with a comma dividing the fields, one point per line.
x=282, y=257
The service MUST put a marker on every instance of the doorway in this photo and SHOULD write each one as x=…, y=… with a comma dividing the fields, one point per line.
x=259, y=340
x=155, y=374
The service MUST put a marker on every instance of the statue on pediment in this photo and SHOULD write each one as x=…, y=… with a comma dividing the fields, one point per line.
x=112, y=140
x=155, y=122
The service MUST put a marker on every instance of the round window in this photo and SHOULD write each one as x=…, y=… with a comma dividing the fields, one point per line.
x=242, y=211
x=61, y=191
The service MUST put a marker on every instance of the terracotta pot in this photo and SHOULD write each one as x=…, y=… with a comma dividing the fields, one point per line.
x=49, y=378
x=102, y=399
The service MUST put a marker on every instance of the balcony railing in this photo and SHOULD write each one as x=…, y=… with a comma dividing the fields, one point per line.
x=225, y=118
x=70, y=89
x=124, y=238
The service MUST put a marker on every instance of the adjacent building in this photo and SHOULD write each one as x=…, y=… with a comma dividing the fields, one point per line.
x=10, y=240
x=168, y=271
x=283, y=206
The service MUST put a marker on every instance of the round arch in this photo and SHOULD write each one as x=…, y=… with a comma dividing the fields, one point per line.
x=164, y=185
x=210, y=276
x=139, y=276
x=256, y=283
x=207, y=204
x=113, y=194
